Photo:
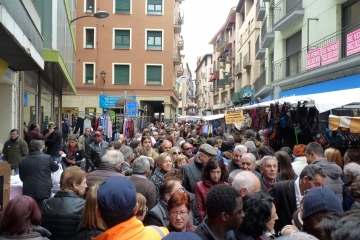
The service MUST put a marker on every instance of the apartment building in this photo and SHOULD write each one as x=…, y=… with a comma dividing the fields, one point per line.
x=203, y=97
x=307, y=47
x=185, y=87
x=137, y=49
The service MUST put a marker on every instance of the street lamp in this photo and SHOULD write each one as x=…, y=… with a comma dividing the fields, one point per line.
x=103, y=75
x=99, y=14
x=180, y=79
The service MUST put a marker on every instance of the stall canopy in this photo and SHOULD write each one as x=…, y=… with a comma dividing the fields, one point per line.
x=186, y=118
x=213, y=117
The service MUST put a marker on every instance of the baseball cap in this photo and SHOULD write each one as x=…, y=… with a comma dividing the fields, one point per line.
x=181, y=236
x=207, y=149
x=97, y=133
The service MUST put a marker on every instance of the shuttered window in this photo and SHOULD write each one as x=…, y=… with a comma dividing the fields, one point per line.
x=154, y=7
x=121, y=74
x=122, y=39
x=89, y=73
x=122, y=6
x=89, y=35
x=154, y=40
x=153, y=75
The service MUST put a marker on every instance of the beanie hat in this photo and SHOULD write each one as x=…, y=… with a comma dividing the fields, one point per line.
x=116, y=199
x=181, y=236
x=320, y=199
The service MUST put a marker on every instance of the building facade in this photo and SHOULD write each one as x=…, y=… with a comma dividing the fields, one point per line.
x=204, y=97
x=137, y=47
x=184, y=88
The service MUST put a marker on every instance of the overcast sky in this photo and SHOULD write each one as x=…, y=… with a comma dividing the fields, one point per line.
x=203, y=18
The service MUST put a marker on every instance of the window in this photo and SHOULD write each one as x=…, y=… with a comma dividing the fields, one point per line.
x=89, y=37
x=89, y=6
x=121, y=74
x=154, y=7
x=154, y=40
x=89, y=73
x=153, y=75
x=122, y=39
x=123, y=6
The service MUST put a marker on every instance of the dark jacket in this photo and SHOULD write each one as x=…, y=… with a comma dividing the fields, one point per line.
x=205, y=233
x=157, y=178
x=232, y=166
x=14, y=151
x=284, y=201
x=62, y=215
x=78, y=155
x=94, y=153
x=101, y=173
x=65, y=127
x=37, y=233
x=265, y=187
x=35, y=173
x=33, y=134
x=87, y=234
x=347, y=199
x=54, y=143
x=192, y=174
x=146, y=188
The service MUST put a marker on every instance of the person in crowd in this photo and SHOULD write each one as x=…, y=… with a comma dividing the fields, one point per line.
x=315, y=155
x=339, y=226
x=300, y=161
x=99, y=129
x=143, y=209
x=135, y=143
x=115, y=145
x=351, y=171
x=65, y=127
x=334, y=155
x=95, y=151
x=250, y=136
x=289, y=151
x=179, y=213
x=128, y=155
x=74, y=122
x=285, y=170
x=75, y=154
x=230, y=138
x=175, y=151
x=186, y=149
x=34, y=133
x=239, y=150
x=251, y=148
x=233, y=174
x=214, y=172
x=192, y=171
x=84, y=139
x=288, y=194
x=213, y=142
x=224, y=213
x=110, y=166
x=318, y=203
x=14, y=150
x=146, y=143
x=35, y=173
x=354, y=192
x=352, y=155
x=269, y=172
x=185, y=133
x=54, y=142
x=155, y=135
x=91, y=226
x=180, y=160
x=66, y=207
x=246, y=183
x=265, y=151
x=164, y=165
x=165, y=146
x=260, y=217
x=147, y=133
x=219, y=133
x=141, y=170
x=119, y=212
x=171, y=139
x=20, y=219
x=248, y=163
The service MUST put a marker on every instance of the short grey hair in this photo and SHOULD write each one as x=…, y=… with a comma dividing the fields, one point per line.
x=112, y=157
x=300, y=235
x=251, y=145
x=166, y=141
x=244, y=179
x=100, y=128
x=233, y=174
x=141, y=165
x=240, y=148
x=311, y=170
x=249, y=156
x=265, y=158
x=352, y=168
x=126, y=151
x=36, y=145
x=230, y=137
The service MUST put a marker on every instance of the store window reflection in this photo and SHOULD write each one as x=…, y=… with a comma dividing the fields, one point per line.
x=30, y=100
x=46, y=113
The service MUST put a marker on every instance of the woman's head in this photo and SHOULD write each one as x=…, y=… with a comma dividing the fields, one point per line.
x=334, y=155
x=140, y=151
x=180, y=160
x=175, y=151
x=169, y=186
x=285, y=169
x=73, y=140
x=19, y=215
x=88, y=218
x=265, y=151
x=73, y=179
x=142, y=210
x=179, y=209
x=226, y=146
x=146, y=142
x=165, y=162
x=214, y=170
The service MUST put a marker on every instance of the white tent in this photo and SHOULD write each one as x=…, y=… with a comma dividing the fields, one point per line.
x=213, y=117
x=186, y=118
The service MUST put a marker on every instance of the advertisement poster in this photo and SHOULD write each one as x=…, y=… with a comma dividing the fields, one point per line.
x=313, y=59
x=353, y=43
x=330, y=53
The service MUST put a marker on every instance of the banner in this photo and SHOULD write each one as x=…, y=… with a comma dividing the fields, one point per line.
x=353, y=43
x=109, y=101
x=313, y=59
x=132, y=109
x=232, y=117
x=330, y=53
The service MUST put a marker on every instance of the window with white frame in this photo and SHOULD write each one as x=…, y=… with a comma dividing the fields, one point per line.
x=89, y=73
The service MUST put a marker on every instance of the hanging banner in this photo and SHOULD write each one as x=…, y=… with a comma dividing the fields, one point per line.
x=353, y=43
x=109, y=101
x=232, y=117
x=132, y=109
x=313, y=59
x=330, y=53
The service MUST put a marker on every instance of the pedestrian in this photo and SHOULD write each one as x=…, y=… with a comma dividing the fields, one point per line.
x=54, y=142
x=65, y=130
x=14, y=150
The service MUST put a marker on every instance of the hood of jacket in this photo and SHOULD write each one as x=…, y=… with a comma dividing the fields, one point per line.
x=332, y=169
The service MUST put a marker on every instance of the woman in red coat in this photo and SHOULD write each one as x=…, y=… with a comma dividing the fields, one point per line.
x=214, y=172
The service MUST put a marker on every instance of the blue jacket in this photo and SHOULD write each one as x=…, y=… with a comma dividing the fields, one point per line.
x=65, y=127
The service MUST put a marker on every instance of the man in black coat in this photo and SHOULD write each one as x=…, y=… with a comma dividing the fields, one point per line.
x=35, y=173
x=54, y=142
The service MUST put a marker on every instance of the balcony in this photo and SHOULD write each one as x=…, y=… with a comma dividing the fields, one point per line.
x=222, y=42
x=180, y=71
x=259, y=52
x=177, y=57
x=246, y=61
x=178, y=21
x=261, y=87
x=211, y=88
x=267, y=33
x=215, y=67
x=228, y=79
x=221, y=83
x=238, y=71
x=229, y=56
x=287, y=12
x=232, y=55
x=215, y=85
x=260, y=10
x=222, y=64
x=181, y=44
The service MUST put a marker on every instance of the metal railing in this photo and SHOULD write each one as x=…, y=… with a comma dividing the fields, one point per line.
x=246, y=61
x=223, y=40
x=177, y=54
x=288, y=6
x=238, y=68
x=260, y=82
x=257, y=45
x=266, y=27
x=221, y=82
x=259, y=4
x=228, y=78
x=179, y=18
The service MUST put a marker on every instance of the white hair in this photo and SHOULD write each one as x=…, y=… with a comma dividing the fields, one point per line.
x=112, y=157
x=301, y=236
x=251, y=145
x=249, y=156
x=240, y=148
x=244, y=179
x=265, y=158
x=352, y=168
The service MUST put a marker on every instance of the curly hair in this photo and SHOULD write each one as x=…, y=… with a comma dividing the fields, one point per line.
x=221, y=198
x=212, y=164
x=257, y=208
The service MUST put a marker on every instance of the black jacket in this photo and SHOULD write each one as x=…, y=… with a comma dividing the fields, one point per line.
x=87, y=234
x=94, y=154
x=62, y=215
x=192, y=174
x=35, y=173
x=54, y=143
x=79, y=154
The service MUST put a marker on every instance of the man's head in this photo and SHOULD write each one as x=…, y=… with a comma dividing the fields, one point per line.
x=36, y=145
x=98, y=136
x=239, y=150
x=230, y=138
x=128, y=153
x=155, y=135
x=14, y=134
x=248, y=162
x=162, y=134
x=114, y=145
x=206, y=152
x=352, y=155
x=219, y=131
x=193, y=132
x=269, y=168
x=113, y=158
x=246, y=183
x=186, y=148
x=165, y=146
x=351, y=170
x=250, y=146
x=141, y=166
x=122, y=203
x=249, y=133
x=87, y=131
x=224, y=207
x=311, y=176
x=100, y=129
x=146, y=142
x=313, y=152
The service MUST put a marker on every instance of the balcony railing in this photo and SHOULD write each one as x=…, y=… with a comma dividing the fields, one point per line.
x=181, y=44
x=267, y=34
x=215, y=66
x=246, y=61
x=178, y=21
x=228, y=56
x=222, y=42
x=177, y=57
x=180, y=70
x=260, y=10
x=287, y=12
x=228, y=79
x=260, y=82
x=238, y=69
x=259, y=51
x=221, y=83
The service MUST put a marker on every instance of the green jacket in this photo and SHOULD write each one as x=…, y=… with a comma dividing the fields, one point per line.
x=15, y=151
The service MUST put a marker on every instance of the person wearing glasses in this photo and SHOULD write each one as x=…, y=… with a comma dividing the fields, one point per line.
x=143, y=209
x=180, y=160
x=179, y=213
x=175, y=151
x=186, y=149
x=164, y=165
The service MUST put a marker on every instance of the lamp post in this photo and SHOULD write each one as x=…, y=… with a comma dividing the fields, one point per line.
x=308, y=30
x=103, y=75
x=99, y=14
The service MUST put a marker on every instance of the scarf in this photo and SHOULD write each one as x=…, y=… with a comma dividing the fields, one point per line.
x=72, y=150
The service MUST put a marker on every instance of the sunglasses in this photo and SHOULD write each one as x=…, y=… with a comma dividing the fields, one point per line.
x=187, y=148
x=176, y=153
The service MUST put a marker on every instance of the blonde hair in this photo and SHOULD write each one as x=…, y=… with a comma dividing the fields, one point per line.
x=173, y=149
x=70, y=176
x=162, y=157
x=179, y=158
x=88, y=218
x=141, y=200
x=334, y=155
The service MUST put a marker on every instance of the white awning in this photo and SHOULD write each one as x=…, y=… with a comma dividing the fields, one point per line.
x=213, y=117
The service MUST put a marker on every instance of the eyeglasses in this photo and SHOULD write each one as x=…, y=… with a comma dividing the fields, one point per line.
x=187, y=149
x=175, y=214
x=176, y=153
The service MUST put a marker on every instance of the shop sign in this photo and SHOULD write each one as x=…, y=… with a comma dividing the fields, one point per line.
x=132, y=109
x=313, y=59
x=330, y=53
x=232, y=117
x=26, y=99
x=353, y=43
x=109, y=101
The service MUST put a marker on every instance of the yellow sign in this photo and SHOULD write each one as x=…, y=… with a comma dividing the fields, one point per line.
x=232, y=117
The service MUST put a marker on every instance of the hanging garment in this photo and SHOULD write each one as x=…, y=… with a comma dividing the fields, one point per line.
x=87, y=124
x=109, y=128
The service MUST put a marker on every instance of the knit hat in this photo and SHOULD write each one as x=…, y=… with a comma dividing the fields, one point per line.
x=181, y=236
x=320, y=199
x=116, y=199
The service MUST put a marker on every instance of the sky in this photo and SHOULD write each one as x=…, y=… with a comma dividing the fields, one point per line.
x=203, y=18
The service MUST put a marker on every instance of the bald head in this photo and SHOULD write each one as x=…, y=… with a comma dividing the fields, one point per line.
x=246, y=183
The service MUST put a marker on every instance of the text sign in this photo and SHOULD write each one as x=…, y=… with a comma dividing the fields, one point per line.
x=353, y=43
x=132, y=109
x=330, y=53
x=232, y=117
x=313, y=59
x=109, y=101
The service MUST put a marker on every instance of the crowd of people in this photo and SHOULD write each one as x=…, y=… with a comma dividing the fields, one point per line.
x=174, y=182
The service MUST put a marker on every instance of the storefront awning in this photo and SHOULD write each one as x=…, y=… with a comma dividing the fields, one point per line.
x=213, y=117
x=222, y=54
x=228, y=47
x=215, y=76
